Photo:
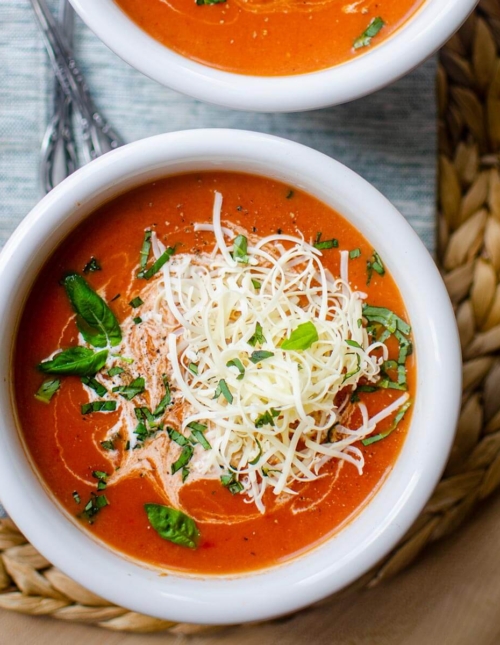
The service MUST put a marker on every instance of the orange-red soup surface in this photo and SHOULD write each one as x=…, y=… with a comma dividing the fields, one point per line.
x=268, y=37
x=64, y=444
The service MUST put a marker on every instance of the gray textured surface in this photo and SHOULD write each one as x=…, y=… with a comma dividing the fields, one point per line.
x=389, y=138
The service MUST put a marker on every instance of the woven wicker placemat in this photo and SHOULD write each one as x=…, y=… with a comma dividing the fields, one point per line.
x=469, y=255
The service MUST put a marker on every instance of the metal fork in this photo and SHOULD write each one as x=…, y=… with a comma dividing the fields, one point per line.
x=58, y=152
x=97, y=135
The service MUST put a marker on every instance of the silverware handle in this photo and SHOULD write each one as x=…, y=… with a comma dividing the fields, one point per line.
x=96, y=133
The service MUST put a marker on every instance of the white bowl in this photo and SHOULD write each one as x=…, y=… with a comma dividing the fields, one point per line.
x=370, y=536
x=421, y=36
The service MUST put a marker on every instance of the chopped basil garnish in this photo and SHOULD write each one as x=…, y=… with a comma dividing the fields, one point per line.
x=355, y=253
x=260, y=355
x=133, y=389
x=258, y=336
x=166, y=400
x=93, y=506
x=95, y=320
x=76, y=497
x=91, y=266
x=114, y=371
x=47, y=390
x=231, y=483
x=256, y=460
x=301, y=338
x=197, y=430
x=145, y=249
x=370, y=32
x=141, y=431
x=240, y=247
x=184, y=459
x=192, y=367
x=129, y=361
x=146, y=274
x=267, y=418
x=136, y=302
x=101, y=477
x=256, y=284
x=98, y=406
x=290, y=194
x=235, y=362
x=184, y=474
x=325, y=244
x=223, y=389
x=397, y=419
x=354, y=372
x=208, y=2
x=75, y=361
x=173, y=525
x=108, y=445
x=374, y=264
x=387, y=318
x=137, y=320
x=179, y=438
x=94, y=384
x=362, y=388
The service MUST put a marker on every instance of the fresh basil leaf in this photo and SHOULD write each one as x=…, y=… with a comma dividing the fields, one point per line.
x=179, y=438
x=75, y=361
x=114, y=371
x=193, y=368
x=267, y=418
x=354, y=372
x=198, y=430
x=93, y=506
x=374, y=264
x=256, y=284
x=370, y=32
x=387, y=318
x=301, y=338
x=146, y=274
x=91, y=266
x=223, y=389
x=208, y=2
x=185, y=474
x=145, y=249
x=256, y=459
x=173, y=525
x=137, y=320
x=231, y=483
x=107, y=445
x=397, y=419
x=184, y=459
x=235, y=362
x=95, y=320
x=355, y=253
x=76, y=497
x=98, y=406
x=137, y=386
x=166, y=400
x=260, y=355
x=258, y=336
x=353, y=343
x=141, y=431
x=94, y=384
x=47, y=390
x=136, y=302
x=325, y=244
x=240, y=247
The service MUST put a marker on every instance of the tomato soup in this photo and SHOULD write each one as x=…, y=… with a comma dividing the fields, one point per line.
x=213, y=373
x=270, y=37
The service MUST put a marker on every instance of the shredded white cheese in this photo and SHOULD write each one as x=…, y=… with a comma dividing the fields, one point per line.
x=218, y=307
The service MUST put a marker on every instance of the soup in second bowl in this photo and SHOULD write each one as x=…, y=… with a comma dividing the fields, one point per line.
x=270, y=37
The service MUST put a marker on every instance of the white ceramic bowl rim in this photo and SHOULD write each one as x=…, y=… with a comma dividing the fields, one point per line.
x=421, y=36
x=392, y=510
